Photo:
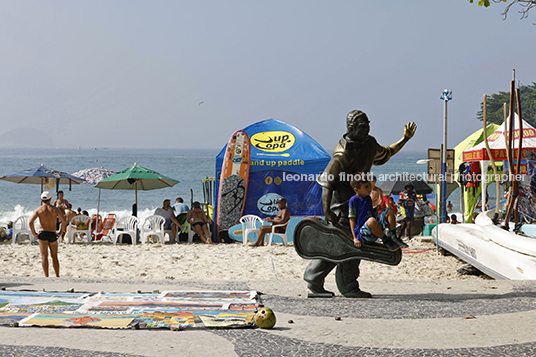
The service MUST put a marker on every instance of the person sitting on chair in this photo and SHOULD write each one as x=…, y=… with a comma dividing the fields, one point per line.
x=171, y=221
x=69, y=213
x=181, y=210
x=180, y=207
x=198, y=221
x=282, y=217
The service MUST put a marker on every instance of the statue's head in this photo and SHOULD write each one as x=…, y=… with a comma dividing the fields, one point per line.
x=357, y=125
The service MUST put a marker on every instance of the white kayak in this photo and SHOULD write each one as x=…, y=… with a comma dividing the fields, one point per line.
x=493, y=250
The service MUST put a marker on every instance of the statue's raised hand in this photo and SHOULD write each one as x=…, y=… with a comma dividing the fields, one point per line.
x=409, y=130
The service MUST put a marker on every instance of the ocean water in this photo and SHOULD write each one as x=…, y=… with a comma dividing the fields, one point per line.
x=190, y=167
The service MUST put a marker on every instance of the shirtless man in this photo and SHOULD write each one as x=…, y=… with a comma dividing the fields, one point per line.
x=69, y=214
x=197, y=219
x=282, y=217
x=47, y=237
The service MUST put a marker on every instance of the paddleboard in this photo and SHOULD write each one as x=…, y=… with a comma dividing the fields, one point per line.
x=233, y=181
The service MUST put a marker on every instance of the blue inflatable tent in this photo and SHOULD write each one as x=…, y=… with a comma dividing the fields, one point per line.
x=284, y=163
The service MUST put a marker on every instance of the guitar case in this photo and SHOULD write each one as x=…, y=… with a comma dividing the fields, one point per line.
x=315, y=238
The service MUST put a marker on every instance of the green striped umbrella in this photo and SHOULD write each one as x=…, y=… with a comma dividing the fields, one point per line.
x=136, y=178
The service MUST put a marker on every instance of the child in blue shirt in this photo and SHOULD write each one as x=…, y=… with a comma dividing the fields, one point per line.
x=364, y=224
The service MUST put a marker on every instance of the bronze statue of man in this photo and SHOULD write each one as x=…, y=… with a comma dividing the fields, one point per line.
x=355, y=153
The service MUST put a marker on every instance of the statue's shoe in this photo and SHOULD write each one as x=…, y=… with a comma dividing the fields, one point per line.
x=390, y=243
x=357, y=294
x=400, y=242
x=318, y=289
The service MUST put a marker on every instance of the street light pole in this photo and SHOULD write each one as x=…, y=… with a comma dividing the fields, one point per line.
x=445, y=96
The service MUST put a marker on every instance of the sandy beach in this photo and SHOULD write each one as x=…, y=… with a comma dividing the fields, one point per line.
x=426, y=306
x=227, y=262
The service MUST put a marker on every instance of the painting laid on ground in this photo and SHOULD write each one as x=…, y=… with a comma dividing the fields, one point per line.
x=182, y=309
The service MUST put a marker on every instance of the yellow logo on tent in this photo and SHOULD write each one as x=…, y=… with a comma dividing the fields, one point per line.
x=273, y=141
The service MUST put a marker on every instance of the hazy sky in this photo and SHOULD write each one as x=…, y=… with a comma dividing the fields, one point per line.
x=127, y=73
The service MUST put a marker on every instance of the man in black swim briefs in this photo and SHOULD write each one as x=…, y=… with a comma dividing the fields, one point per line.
x=282, y=217
x=47, y=237
x=198, y=221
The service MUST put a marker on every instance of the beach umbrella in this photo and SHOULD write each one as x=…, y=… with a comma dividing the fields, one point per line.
x=397, y=183
x=43, y=176
x=136, y=178
x=93, y=177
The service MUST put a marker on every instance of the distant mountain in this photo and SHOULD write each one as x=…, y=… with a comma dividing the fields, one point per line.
x=27, y=138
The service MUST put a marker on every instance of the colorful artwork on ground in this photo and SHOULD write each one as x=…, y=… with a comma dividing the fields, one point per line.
x=210, y=295
x=78, y=320
x=32, y=304
x=226, y=319
x=185, y=309
x=164, y=319
x=9, y=318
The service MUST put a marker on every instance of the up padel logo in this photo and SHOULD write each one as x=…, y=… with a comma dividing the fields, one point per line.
x=273, y=141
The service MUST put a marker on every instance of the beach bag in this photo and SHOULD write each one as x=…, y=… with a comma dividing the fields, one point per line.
x=225, y=238
x=183, y=237
x=182, y=217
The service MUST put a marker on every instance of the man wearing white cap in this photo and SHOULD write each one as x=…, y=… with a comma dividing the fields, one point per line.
x=47, y=237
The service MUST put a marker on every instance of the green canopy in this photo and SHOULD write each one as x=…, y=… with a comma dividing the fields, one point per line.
x=471, y=141
x=136, y=178
x=469, y=201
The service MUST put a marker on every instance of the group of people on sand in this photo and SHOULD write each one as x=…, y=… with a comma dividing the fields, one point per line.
x=67, y=209
x=177, y=215
x=54, y=218
x=408, y=201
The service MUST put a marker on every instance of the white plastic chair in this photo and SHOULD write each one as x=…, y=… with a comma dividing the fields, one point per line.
x=153, y=226
x=282, y=235
x=22, y=226
x=249, y=225
x=73, y=228
x=191, y=232
x=126, y=225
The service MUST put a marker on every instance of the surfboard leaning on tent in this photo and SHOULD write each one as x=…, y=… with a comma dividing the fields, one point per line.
x=234, y=182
